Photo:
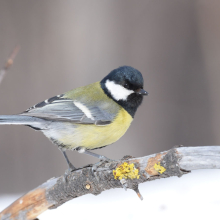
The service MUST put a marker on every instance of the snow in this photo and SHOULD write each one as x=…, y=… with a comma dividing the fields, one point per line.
x=193, y=196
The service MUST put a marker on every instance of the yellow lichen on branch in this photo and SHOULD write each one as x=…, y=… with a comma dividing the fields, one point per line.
x=126, y=171
x=159, y=168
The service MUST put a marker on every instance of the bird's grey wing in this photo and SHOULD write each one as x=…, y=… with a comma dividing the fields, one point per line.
x=61, y=109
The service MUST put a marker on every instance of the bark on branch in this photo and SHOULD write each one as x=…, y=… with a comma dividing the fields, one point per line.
x=55, y=192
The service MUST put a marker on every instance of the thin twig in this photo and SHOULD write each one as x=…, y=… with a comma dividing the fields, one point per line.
x=57, y=191
x=9, y=62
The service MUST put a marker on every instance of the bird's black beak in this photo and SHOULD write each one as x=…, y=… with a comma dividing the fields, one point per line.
x=142, y=92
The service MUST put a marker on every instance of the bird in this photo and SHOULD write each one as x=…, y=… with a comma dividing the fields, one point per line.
x=88, y=117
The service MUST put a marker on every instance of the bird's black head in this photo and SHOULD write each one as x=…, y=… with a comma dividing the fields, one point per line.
x=125, y=86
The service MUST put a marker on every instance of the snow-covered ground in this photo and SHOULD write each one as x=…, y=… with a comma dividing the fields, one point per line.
x=193, y=196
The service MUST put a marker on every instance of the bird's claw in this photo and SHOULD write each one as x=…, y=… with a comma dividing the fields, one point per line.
x=103, y=159
x=70, y=169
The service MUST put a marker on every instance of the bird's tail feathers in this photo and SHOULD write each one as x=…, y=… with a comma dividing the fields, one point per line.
x=22, y=120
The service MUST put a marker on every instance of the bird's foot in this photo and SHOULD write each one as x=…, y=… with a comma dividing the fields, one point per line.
x=103, y=159
x=70, y=169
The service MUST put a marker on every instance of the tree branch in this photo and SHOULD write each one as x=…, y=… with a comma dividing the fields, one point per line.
x=55, y=192
x=9, y=62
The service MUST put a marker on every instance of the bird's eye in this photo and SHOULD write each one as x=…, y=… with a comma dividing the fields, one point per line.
x=126, y=85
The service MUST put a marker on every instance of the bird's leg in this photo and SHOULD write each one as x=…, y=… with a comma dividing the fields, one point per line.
x=100, y=157
x=70, y=165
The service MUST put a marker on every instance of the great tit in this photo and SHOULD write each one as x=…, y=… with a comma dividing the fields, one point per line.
x=88, y=117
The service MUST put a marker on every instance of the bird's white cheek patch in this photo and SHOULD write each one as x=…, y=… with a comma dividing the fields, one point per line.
x=84, y=109
x=117, y=91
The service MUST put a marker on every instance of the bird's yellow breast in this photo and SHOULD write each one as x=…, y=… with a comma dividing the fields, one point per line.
x=93, y=136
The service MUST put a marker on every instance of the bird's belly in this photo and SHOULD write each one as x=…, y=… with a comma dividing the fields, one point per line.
x=93, y=136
